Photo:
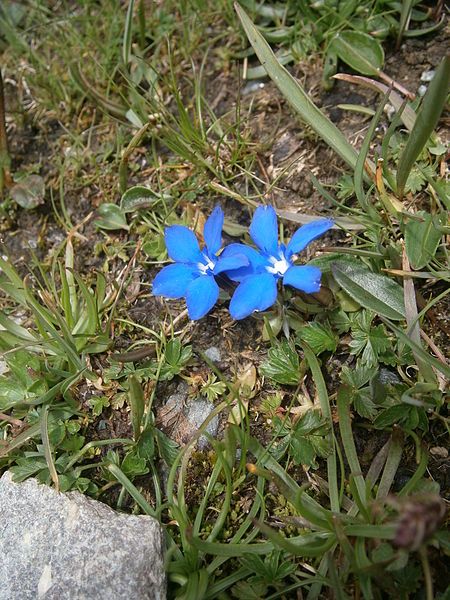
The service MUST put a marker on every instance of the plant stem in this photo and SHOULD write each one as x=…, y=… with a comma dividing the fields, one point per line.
x=426, y=573
x=5, y=159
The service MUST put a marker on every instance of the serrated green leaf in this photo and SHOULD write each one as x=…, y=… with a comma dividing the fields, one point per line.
x=373, y=291
x=369, y=344
x=319, y=337
x=394, y=414
x=302, y=452
x=422, y=239
x=357, y=377
x=168, y=449
x=146, y=444
x=26, y=467
x=360, y=51
x=282, y=364
x=364, y=405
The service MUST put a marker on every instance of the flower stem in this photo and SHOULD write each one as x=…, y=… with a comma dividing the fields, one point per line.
x=426, y=573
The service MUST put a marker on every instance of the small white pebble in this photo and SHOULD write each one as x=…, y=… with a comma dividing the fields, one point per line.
x=422, y=90
x=427, y=76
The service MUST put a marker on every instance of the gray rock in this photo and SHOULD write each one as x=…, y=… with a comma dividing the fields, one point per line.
x=213, y=354
x=70, y=547
x=196, y=414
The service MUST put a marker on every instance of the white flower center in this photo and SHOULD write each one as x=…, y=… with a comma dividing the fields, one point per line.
x=204, y=268
x=280, y=264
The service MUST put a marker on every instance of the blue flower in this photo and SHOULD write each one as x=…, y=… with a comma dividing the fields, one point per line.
x=192, y=276
x=257, y=289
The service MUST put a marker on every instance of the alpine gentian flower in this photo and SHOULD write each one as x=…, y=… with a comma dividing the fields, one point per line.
x=192, y=274
x=258, y=281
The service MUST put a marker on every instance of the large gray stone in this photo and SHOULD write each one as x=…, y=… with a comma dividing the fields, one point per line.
x=69, y=547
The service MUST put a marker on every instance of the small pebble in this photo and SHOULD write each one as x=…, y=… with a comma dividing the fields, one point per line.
x=213, y=354
x=427, y=76
x=422, y=90
x=196, y=414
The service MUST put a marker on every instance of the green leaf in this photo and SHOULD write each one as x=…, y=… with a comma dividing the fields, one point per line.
x=137, y=404
x=111, y=217
x=26, y=467
x=11, y=393
x=393, y=414
x=295, y=94
x=146, y=444
x=138, y=197
x=134, y=465
x=357, y=377
x=128, y=33
x=422, y=238
x=309, y=439
x=376, y=292
x=29, y=192
x=245, y=590
x=176, y=356
x=362, y=397
x=168, y=449
x=282, y=365
x=364, y=406
x=369, y=344
x=302, y=452
x=319, y=337
x=427, y=118
x=97, y=404
x=360, y=51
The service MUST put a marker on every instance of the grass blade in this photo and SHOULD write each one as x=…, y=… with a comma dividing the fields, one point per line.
x=127, y=36
x=427, y=119
x=358, y=176
x=296, y=95
x=132, y=490
x=405, y=15
x=392, y=463
x=137, y=404
x=345, y=427
x=326, y=411
x=47, y=447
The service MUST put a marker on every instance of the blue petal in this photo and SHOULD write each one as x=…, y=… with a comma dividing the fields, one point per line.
x=256, y=262
x=182, y=245
x=305, y=278
x=230, y=263
x=201, y=296
x=264, y=229
x=173, y=280
x=212, y=232
x=257, y=292
x=306, y=234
